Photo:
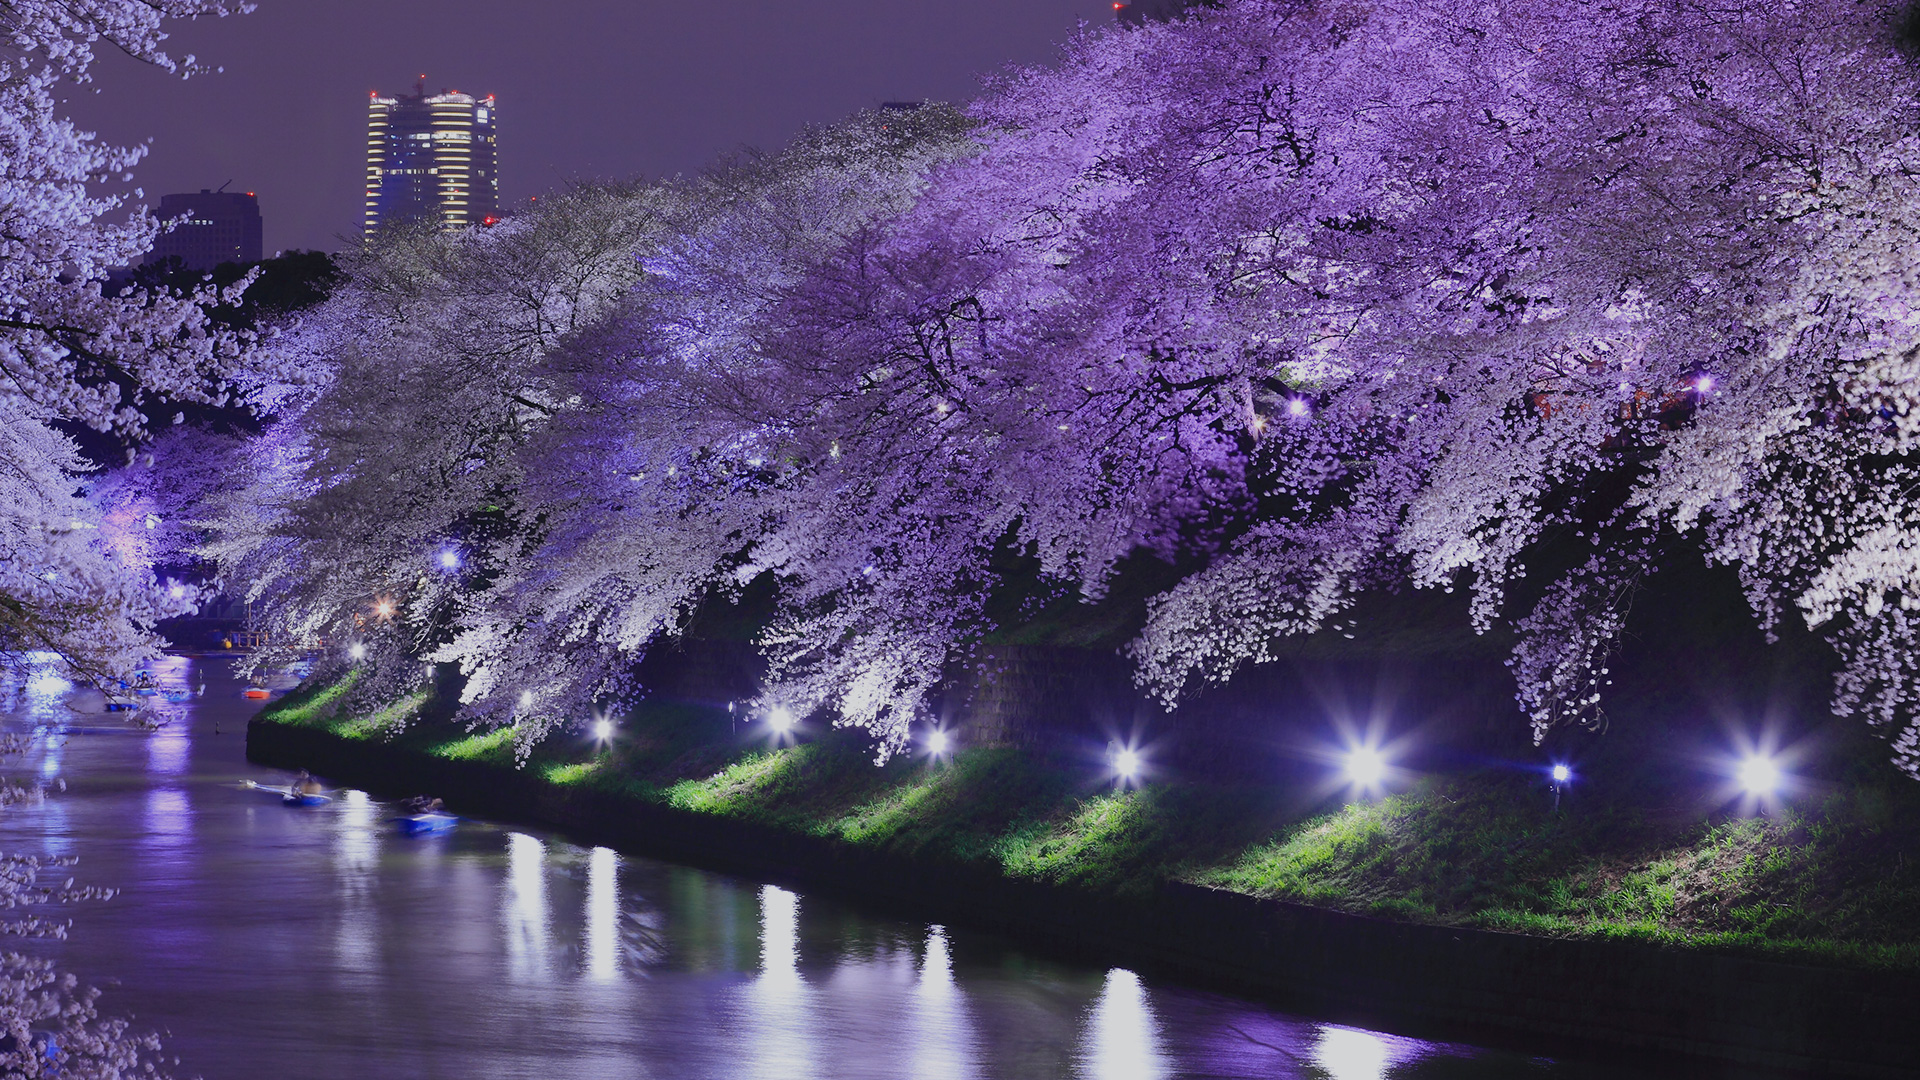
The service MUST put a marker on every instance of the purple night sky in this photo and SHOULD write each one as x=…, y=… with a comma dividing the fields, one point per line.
x=587, y=88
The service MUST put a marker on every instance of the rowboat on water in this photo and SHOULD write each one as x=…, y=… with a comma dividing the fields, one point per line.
x=291, y=797
x=432, y=822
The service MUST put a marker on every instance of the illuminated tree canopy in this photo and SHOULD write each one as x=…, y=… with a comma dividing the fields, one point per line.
x=1311, y=297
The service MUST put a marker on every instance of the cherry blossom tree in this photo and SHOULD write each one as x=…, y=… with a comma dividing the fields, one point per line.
x=1310, y=297
x=72, y=355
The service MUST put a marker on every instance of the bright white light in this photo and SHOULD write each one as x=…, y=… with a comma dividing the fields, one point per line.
x=1297, y=407
x=603, y=913
x=383, y=609
x=780, y=719
x=1704, y=384
x=1127, y=763
x=603, y=730
x=176, y=590
x=937, y=742
x=1759, y=775
x=526, y=699
x=1122, y=1038
x=1562, y=774
x=357, y=651
x=1345, y=1054
x=1365, y=766
x=47, y=684
x=450, y=559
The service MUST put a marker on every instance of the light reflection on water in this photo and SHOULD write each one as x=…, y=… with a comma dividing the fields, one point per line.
x=526, y=907
x=941, y=1031
x=355, y=860
x=778, y=1030
x=273, y=940
x=1122, y=1037
x=603, y=913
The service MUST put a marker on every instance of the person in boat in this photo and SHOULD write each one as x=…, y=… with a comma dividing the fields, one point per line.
x=305, y=784
x=425, y=804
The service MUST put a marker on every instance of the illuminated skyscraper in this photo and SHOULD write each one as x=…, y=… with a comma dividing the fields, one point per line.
x=431, y=157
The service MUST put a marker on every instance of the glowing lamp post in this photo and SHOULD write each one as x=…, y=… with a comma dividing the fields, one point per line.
x=603, y=729
x=1562, y=775
x=1126, y=765
x=780, y=719
x=937, y=743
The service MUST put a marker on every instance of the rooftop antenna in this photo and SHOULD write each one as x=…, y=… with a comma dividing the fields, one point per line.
x=221, y=188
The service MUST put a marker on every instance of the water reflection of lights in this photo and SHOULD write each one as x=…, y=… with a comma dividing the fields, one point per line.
x=942, y=1031
x=1122, y=1040
x=526, y=914
x=47, y=684
x=167, y=748
x=603, y=913
x=777, y=1002
x=779, y=934
x=356, y=865
x=1346, y=1054
x=355, y=841
x=168, y=818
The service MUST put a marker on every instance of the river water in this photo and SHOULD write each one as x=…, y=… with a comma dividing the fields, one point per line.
x=262, y=940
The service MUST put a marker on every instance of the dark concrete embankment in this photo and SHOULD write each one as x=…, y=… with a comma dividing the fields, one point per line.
x=1637, y=999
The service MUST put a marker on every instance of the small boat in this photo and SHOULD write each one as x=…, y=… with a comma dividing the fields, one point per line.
x=289, y=796
x=256, y=693
x=431, y=822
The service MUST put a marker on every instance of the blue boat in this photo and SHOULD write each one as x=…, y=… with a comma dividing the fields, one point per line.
x=416, y=824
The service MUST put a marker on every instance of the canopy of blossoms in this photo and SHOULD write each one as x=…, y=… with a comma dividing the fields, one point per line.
x=1311, y=297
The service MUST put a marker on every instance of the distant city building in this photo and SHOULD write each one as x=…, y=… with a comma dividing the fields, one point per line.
x=431, y=158
x=209, y=228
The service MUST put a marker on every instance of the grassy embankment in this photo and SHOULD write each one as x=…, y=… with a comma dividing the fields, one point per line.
x=1825, y=877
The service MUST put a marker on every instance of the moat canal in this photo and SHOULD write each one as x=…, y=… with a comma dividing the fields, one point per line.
x=263, y=940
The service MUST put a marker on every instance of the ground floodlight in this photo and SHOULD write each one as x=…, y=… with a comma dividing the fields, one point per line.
x=1127, y=764
x=1562, y=774
x=1365, y=767
x=937, y=742
x=449, y=559
x=603, y=729
x=1703, y=384
x=780, y=719
x=1298, y=407
x=1759, y=775
x=357, y=651
x=384, y=608
x=177, y=590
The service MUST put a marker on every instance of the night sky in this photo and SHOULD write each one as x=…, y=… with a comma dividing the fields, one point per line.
x=587, y=88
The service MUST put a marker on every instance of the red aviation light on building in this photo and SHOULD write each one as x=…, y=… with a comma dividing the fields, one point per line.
x=489, y=221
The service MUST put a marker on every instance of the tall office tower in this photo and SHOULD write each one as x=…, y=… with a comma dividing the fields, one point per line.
x=430, y=157
x=210, y=228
